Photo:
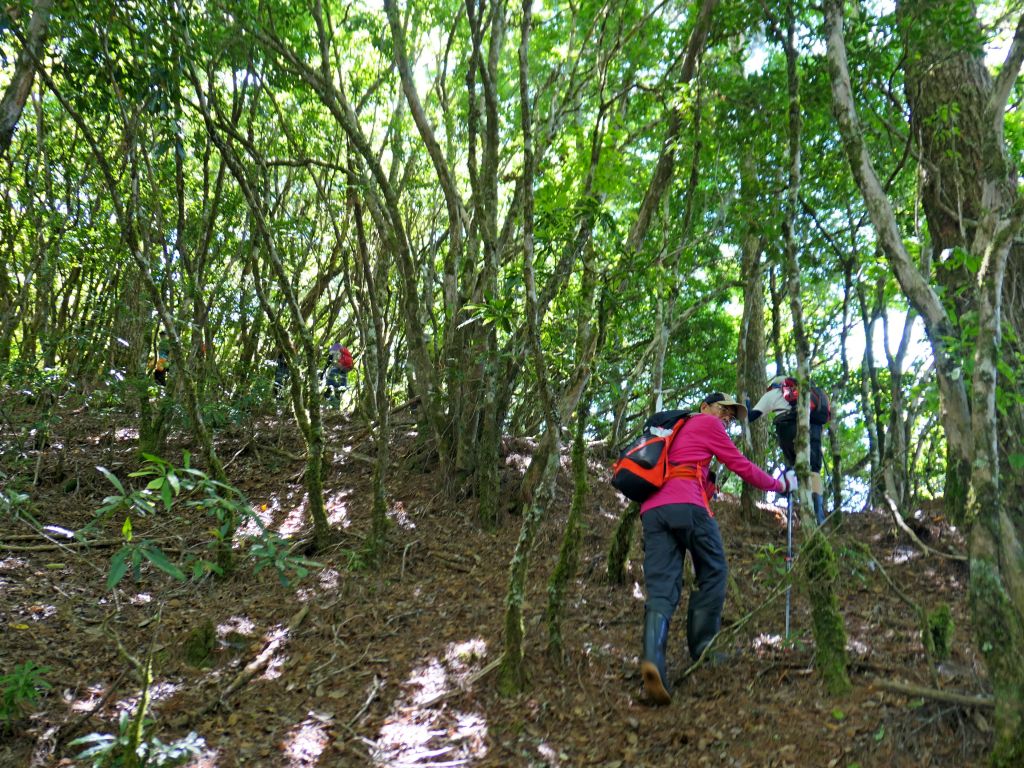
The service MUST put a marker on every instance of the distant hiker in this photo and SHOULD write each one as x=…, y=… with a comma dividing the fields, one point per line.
x=780, y=400
x=677, y=519
x=335, y=374
x=281, y=375
x=163, y=360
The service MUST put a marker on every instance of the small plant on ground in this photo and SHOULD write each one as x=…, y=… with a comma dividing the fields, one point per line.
x=109, y=750
x=185, y=487
x=21, y=689
x=135, y=745
x=15, y=505
x=770, y=559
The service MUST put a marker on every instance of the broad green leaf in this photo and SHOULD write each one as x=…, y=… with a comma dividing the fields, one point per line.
x=159, y=559
x=118, y=567
x=113, y=479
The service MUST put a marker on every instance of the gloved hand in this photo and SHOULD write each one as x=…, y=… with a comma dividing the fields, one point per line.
x=788, y=479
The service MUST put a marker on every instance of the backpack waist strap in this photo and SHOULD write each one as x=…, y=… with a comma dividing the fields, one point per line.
x=691, y=472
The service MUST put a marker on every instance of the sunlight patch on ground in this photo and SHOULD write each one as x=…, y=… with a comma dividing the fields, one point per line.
x=903, y=554
x=239, y=625
x=265, y=513
x=158, y=692
x=551, y=755
x=765, y=640
x=329, y=578
x=12, y=563
x=275, y=639
x=307, y=741
x=292, y=524
x=858, y=647
x=638, y=592
x=337, y=510
x=614, y=514
x=141, y=598
x=418, y=733
x=127, y=433
x=400, y=516
x=90, y=698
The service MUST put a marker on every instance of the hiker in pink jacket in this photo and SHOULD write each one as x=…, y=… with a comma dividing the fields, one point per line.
x=677, y=519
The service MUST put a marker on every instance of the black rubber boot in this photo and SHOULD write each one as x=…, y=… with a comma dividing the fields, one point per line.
x=819, y=507
x=701, y=627
x=652, y=666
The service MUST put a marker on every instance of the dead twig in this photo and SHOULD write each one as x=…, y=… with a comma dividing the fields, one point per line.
x=366, y=704
x=902, y=525
x=248, y=672
x=472, y=680
x=949, y=697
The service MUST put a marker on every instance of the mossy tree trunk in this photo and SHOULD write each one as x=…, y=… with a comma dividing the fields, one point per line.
x=819, y=572
x=512, y=674
x=373, y=276
x=946, y=75
x=622, y=542
x=569, y=553
x=751, y=381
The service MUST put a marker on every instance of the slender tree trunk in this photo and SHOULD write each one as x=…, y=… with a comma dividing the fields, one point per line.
x=751, y=380
x=996, y=557
x=819, y=571
x=20, y=85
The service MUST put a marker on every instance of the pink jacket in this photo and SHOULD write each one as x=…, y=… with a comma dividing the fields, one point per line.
x=700, y=439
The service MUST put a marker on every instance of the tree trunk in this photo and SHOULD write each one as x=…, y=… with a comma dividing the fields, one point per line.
x=751, y=380
x=970, y=419
x=18, y=89
x=568, y=554
x=819, y=571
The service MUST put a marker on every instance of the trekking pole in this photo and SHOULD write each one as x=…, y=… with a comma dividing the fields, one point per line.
x=789, y=554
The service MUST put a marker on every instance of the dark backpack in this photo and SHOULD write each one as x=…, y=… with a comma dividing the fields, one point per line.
x=821, y=406
x=643, y=467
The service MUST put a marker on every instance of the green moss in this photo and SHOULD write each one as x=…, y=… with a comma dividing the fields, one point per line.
x=937, y=634
x=199, y=645
x=1000, y=637
x=822, y=574
x=622, y=540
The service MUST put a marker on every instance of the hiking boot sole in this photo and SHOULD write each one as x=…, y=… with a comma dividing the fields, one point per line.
x=653, y=684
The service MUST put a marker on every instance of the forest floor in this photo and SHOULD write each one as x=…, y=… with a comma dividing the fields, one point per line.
x=393, y=665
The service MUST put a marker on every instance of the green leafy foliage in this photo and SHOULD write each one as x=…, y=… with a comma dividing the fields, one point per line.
x=20, y=690
x=114, y=750
x=179, y=490
x=14, y=504
x=770, y=560
x=271, y=551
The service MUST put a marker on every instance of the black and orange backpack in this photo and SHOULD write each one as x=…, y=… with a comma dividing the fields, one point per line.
x=642, y=467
